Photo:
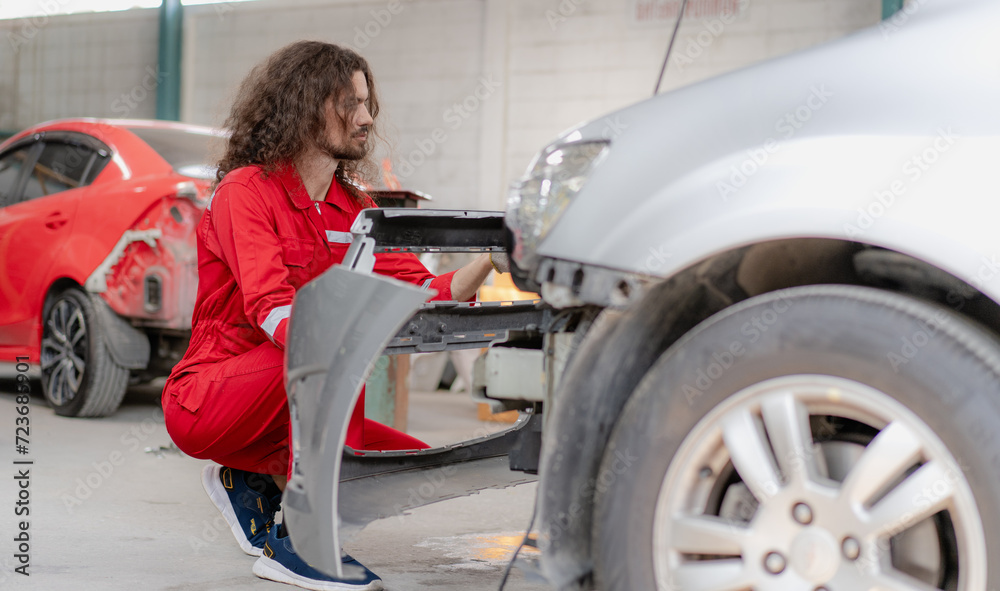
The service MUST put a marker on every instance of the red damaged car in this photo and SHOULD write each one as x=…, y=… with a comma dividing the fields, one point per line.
x=98, y=258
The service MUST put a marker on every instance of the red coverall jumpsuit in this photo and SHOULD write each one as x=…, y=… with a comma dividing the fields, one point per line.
x=260, y=240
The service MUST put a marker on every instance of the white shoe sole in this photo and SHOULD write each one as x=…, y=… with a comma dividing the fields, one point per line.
x=220, y=498
x=268, y=568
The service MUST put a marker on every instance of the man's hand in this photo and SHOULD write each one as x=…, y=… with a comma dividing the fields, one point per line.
x=501, y=262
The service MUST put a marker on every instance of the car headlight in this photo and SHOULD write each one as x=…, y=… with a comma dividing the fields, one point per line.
x=535, y=202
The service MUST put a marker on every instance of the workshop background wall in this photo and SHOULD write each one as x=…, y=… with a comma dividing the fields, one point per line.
x=79, y=64
x=470, y=89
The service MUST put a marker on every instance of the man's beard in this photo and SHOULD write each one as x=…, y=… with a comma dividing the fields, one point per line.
x=346, y=151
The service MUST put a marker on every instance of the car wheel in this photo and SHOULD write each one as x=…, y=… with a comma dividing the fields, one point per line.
x=824, y=438
x=79, y=377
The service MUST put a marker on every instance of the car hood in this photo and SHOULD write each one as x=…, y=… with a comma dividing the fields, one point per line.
x=887, y=137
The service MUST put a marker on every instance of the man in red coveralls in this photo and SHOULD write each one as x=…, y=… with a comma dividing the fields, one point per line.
x=301, y=126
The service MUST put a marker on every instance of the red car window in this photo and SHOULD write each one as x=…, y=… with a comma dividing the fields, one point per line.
x=10, y=172
x=60, y=167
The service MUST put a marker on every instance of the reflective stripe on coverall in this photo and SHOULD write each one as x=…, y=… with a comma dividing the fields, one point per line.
x=260, y=240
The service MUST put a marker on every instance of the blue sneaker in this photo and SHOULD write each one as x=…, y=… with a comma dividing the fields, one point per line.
x=249, y=513
x=280, y=563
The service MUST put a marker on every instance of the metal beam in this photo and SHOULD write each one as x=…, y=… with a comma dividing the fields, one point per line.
x=168, y=90
x=891, y=7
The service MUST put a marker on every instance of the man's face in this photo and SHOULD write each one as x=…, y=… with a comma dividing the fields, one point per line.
x=347, y=122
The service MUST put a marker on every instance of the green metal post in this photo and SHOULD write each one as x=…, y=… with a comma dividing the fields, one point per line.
x=387, y=397
x=380, y=393
x=168, y=89
x=891, y=7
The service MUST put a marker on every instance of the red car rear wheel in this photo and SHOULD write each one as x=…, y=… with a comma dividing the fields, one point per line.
x=79, y=377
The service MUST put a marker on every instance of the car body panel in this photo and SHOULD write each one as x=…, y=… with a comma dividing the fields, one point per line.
x=323, y=384
x=137, y=190
x=341, y=321
x=856, y=161
x=33, y=240
x=173, y=254
x=892, y=141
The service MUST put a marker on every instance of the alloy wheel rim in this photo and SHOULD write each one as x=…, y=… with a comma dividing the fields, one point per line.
x=64, y=351
x=809, y=530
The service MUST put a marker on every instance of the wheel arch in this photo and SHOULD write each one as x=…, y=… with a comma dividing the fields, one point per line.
x=622, y=346
x=58, y=286
x=128, y=346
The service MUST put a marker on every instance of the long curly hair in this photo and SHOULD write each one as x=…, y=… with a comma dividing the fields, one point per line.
x=279, y=110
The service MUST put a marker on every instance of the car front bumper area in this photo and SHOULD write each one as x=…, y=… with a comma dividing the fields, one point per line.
x=341, y=322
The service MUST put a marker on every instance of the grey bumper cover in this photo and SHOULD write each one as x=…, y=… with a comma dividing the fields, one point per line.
x=340, y=323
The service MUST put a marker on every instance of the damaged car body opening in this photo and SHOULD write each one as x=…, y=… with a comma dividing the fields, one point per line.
x=97, y=219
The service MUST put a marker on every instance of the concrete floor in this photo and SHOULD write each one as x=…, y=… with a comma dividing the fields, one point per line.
x=108, y=512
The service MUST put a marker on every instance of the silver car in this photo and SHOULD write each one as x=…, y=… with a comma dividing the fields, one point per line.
x=768, y=341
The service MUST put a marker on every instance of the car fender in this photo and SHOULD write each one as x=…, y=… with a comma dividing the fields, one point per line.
x=662, y=236
x=340, y=322
x=323, y=384
x=608, y=365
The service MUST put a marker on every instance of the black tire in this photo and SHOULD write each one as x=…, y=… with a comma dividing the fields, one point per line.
x=934, y=368
x=79, y=376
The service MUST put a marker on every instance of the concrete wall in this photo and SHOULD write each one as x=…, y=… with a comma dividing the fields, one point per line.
x=470, y=88
x=426, y=55
x=97, y=65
